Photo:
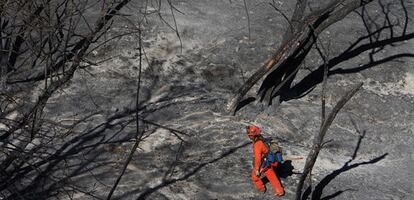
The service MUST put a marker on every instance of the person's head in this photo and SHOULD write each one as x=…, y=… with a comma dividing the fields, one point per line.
x=253, y=131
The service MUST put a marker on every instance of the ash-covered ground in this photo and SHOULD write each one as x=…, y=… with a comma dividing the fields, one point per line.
x=202, y=152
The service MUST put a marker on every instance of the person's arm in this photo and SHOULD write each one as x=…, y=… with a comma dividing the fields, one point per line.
x=258, y=148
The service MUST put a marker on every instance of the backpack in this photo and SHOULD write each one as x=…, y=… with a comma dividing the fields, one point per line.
x=274, y=154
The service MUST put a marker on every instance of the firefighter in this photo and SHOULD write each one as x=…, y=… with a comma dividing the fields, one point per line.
x=260, y=150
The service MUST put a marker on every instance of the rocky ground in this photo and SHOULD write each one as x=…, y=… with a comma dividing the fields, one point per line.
x=204, y=153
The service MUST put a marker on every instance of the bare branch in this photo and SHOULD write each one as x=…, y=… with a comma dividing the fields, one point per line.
x=273, y=4
x=248, y=17
x=318, y=138
x=44, y=97
x=319, y=20
x=139, y=133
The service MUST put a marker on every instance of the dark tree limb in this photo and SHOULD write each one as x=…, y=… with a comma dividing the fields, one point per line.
x=283, y=53
x=273, y=4
x=318, y=138
x=37, y=110
x=248, y=17
x=15, y=48
x=139, y=133
x=319, y=20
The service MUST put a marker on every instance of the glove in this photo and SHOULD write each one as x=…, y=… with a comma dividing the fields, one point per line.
x=257, y=173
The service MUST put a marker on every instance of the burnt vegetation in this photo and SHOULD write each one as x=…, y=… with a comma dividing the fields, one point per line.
x=386, y=28
x=43, y=44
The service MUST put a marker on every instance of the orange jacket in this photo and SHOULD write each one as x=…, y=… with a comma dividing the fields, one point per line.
x=259, y=150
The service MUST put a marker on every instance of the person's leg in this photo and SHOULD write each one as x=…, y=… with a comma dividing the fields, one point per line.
x=258, y=182
x=277, y=187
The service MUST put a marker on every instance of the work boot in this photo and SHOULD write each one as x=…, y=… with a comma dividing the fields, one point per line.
x=280, y=193
x=262, y=190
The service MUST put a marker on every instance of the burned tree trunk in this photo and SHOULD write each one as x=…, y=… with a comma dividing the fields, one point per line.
x=318, y=138
x=297, y=38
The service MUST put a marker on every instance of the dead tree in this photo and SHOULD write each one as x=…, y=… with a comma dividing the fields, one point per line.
x=318, y=137
x=43, y=44
x=297, y=41
x=58, y=59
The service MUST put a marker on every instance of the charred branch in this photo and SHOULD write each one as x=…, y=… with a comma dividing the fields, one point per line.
x=304, y=26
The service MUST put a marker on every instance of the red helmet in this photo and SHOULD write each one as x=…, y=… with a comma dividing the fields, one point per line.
x=253, y=131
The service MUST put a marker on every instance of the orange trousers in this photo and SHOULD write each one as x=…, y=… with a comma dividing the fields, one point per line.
x=274, y=181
